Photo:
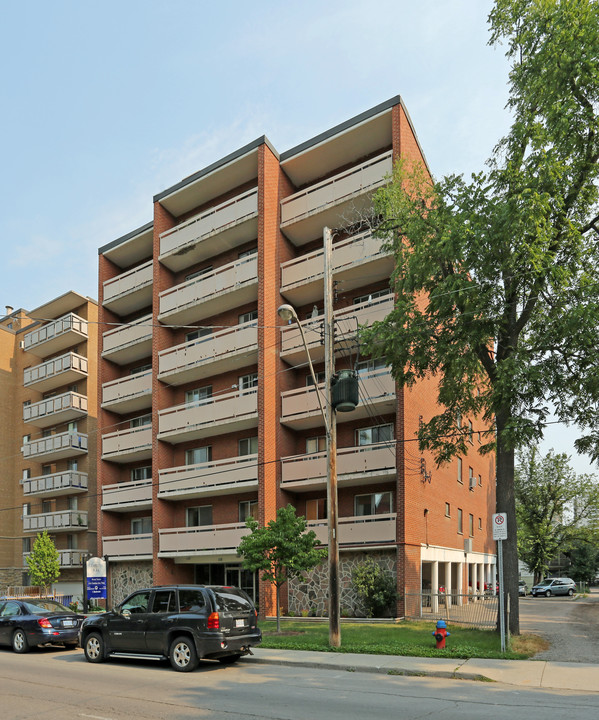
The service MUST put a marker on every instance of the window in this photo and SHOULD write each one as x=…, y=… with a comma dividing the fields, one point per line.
x=373, y=435
x=141, y=526
x=248, y=508
x=72, y=502
x=460, y=521
x=480, y=523
x=26, y=473
x=320, y=377
x=197, y=516
x=371, y=296
x=72, y=426
x=248, y=316
x=248, y=253
x=313, y=314
x=471, y=525
x=26, y=544
x=201, y=332
x=46, y=469
x=199, y=273
x=316, y=509
x=141, y=421
x=480, y=481
x=26, y=509
x=71, y=542
x=372, y=504
x=460, y=470
x=316, y=444
x=447, y=510
x=366, y=367
x=194, y=456
x=459, y=420
x=165, y=601
x=26, y=439
x=137, y=603
x=26, y=403
x=140, y=368
x=191, y=600
x=471, y=479
x=72, y=465
x=470, y=433
x=247, y=382
x=198, y=396
x=142, y=473
x=47, y=506
x=73, y=388
x=248, y=446
x=47, y=433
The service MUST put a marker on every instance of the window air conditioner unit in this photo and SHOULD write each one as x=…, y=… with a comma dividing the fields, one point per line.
x=472, y=483
x=468, y=545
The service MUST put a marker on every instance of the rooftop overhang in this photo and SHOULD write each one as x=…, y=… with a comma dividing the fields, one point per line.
x=60, y=306
x=131, y=248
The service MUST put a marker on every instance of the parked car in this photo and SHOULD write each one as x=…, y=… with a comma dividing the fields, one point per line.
x=554, y=586
x=181, y=623
x=27, y=622
x=522, y=588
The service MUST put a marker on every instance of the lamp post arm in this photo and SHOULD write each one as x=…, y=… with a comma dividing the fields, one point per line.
x=313, y=374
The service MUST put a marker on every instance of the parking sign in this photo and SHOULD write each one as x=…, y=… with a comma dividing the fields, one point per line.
x=500, y=526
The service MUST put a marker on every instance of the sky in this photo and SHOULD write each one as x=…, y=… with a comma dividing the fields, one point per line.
x=106, y=104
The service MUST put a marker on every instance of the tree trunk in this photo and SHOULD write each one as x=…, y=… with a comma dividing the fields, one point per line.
x=278, y=610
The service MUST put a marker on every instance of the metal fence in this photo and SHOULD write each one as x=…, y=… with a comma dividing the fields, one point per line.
x=32, y=592
x=477, y=611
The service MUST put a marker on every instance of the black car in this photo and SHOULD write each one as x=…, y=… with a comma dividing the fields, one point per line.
x=27, y=622
x=184, y=623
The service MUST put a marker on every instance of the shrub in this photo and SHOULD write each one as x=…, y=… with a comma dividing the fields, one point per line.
x=375, y=587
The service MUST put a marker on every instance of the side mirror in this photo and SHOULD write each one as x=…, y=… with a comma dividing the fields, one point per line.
x=126, y=613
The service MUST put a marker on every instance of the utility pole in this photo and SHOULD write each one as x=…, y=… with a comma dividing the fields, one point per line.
x=331, y=428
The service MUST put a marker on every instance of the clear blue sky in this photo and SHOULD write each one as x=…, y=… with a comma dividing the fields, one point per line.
x=106, y=104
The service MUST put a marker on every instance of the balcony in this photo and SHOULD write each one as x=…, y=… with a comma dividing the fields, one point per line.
x=130, y=291
x=128, y=547
x=223, y=226
x=343, y=196
x=64, y=370
x=125, y=496
x=346, y=326
x=300, y=409
x=225, y=350
x=55, y=336
x=66, y=558
x=225, y=288
x=63, y=521
x=56, y=447
x=201, y=541
x=356, y=466
x=128, y=343
x=222, y=477
x=68, y=482
x=302, y=279
x=56, y=410
x=364, y=530
x=227, y=413
x=128, y=394
x=128, y=445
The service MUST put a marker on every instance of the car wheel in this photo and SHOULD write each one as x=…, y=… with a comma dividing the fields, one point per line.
x=548, y=593
x=182, y=655
x=94, y=648
x=19, y=642
x=570, y=592
x=229, y=659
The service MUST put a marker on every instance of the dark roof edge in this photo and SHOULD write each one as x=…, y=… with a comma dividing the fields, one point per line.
x=376, y=110
x=126, y=237
x=263, y=140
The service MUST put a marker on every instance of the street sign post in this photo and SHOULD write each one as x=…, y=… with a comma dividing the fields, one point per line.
x=500, y=534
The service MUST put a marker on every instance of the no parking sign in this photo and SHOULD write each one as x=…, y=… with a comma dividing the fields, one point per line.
x=500, y=526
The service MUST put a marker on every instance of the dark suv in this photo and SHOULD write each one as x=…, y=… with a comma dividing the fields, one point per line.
x=183, y=623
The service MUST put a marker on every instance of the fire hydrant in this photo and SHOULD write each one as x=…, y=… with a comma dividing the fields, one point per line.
x=441, y=633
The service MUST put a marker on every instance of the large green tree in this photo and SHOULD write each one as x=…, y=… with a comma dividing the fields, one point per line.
x=282, y=549
x=43, y=562
x=496, y=276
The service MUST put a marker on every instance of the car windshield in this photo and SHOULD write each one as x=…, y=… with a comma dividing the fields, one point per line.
x=41, y=607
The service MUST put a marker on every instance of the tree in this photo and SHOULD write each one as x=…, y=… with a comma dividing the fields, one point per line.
x=375, y=587
x=282, y=550
x=555, y=508
x=44, y=567
x=584, y=557
x=496, y=277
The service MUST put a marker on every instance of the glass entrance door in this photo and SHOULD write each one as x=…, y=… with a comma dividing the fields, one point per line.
x=245, y=579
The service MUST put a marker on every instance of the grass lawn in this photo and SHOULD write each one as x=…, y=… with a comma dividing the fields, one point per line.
x=405, y=638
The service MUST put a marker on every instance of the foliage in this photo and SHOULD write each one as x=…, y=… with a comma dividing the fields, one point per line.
x=496, y=276
x=43, y=562
x=282, y=549
x=584, y=556
x=556, y=508
x=375, y=587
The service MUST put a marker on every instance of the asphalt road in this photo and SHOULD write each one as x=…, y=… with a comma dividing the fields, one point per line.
x=53, y=684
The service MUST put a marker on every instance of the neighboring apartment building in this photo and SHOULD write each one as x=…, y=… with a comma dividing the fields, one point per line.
x=208, y=414
x=48, y=447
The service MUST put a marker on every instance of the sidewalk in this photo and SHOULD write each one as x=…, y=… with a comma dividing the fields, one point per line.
x=581, y=677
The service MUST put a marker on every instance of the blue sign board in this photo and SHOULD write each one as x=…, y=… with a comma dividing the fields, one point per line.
x=96, y=587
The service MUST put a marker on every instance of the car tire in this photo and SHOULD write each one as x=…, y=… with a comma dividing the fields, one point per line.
x=182, y=655
x=229, y=659
x=570, y=592
x=94, y=648
x=547, y=593
x=19, y=641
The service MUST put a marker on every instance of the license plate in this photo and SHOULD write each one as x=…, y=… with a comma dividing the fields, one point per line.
x=69, y=623
x=240, y=623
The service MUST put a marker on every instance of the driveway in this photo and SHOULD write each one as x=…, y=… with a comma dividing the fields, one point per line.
x=571, y=625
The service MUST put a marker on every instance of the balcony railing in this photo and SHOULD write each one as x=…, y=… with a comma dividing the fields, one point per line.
x=66, y=558
x=58, y=335
x=362, y=530
x=300, y=408
x=63, y=370
x=227, y=287
x=302, y=278
x=136, y=495
x=56, y=447
x=130, y=291
x=202, y=540
x=232, y=348
x=128, y=394
x=225, y=413
x=221, y=477
x=355, y=466
x=305, y=213
x=56, y=410
x=128, y=547
x=130, y=342
x=229, y=224
x=60, y=483
x=128, y=445
x=65, y=520
x=346, y=320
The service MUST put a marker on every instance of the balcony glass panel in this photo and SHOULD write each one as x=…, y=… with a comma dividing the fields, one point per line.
x=58, y=371
x=59, y=521
x=60, y=483
x=57, y=335
x=55, y=447
x=56, y=410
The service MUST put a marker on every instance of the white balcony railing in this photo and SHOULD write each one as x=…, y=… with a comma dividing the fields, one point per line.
x=129, y=393
x=130, y=291
x=68, y=368
x=201, y=540
x=56, y=410
x=66, y=558
x=55, y=447
x=128, y=445
x=362, y=530
x=57, y=335
x=136, y=495
x=127, y=547
x=130, y=342
x=61, y=521
x=60, y=483
x=232, y=475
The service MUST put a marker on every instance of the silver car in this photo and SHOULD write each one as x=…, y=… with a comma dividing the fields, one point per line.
x=554, y=586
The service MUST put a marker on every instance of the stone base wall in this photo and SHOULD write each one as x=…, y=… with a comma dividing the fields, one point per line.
x=312, y=597
x=126, y=577
x=11, y=577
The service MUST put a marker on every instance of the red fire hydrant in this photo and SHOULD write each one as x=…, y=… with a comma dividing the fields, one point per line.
x=441, y=633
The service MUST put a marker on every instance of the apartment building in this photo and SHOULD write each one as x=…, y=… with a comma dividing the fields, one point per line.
x=48, y=446
x=207, y=410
